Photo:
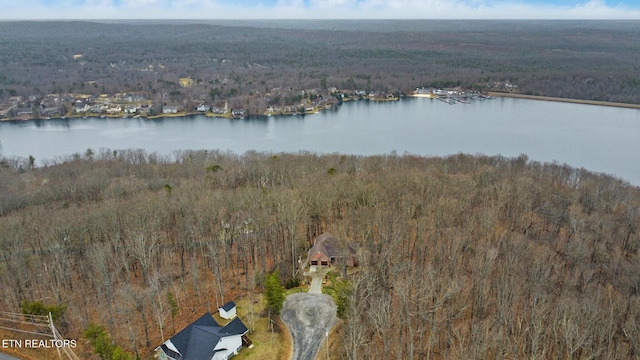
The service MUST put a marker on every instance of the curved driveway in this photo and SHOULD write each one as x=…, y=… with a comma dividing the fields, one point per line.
x=309, y=318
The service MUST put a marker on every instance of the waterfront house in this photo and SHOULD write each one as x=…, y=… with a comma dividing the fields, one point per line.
x=24, y=112
x=169, y=109
x=203, y=108
x=98, y=108
x=145, y=110
x=80, y=107
x=131, y=109
x=219, y=111
x=114, y=109
x=50, y=111
x=238, y=113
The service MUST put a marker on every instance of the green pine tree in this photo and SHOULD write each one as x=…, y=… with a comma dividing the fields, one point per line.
x=102, y=346
x=274, y=292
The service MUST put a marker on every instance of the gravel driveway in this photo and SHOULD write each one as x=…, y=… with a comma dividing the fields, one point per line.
x=309, y=317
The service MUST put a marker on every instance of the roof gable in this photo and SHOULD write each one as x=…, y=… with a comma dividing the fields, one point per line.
x=328, y=245
x=228, y=306
x=198, y=340
x=201, y=342
x=318, y=255
x=235, y=327
x=181, y=340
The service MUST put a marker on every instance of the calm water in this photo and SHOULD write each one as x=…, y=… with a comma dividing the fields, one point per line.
x=601, y=139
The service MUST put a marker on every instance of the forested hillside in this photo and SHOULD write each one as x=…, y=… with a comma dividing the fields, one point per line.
x=244, y=61
x=461, y=257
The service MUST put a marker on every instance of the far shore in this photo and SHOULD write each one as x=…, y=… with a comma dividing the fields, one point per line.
x=565, y=100
x=316, y=110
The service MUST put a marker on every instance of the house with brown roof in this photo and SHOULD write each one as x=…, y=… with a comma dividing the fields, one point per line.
x=328, y=251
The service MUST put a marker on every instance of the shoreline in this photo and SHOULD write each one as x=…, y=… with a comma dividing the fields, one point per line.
x=317, y=110
x=564, y=100
x=226, y=115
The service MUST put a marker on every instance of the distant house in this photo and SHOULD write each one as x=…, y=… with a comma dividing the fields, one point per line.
x=327, y=251
x=186, y=82
x=114, y=109
x=204, y=339
x=50, y=111
x=169, y=109
x=238, y=113
x=203, y=108
x=80, y=107
x=98, y=108
x=217, y=110
x=25, y=111
x=228, y=310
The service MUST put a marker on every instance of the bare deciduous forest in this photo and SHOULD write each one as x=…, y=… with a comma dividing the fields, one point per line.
x=461, y=257
x=592, y=60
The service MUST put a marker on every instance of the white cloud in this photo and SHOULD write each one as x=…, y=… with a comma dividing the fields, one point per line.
x=138, y=3
x=328, y=4
x=314, y=9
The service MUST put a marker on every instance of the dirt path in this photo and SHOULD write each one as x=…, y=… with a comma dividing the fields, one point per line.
x=309, y=318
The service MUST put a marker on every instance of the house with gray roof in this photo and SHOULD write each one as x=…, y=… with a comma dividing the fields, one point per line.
x=204, y=339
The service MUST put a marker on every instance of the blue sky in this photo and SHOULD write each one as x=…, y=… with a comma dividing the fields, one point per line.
x=319, y=9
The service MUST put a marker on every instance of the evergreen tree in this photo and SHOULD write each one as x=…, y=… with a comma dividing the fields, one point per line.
x=41, y=309
x=274, y=292
x=102, y=345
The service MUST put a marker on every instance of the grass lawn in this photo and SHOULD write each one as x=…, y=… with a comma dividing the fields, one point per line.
x=275, y=345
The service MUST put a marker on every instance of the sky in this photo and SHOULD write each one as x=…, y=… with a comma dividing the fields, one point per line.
x=319, y=9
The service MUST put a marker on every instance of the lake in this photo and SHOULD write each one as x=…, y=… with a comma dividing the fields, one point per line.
x=598, y=138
